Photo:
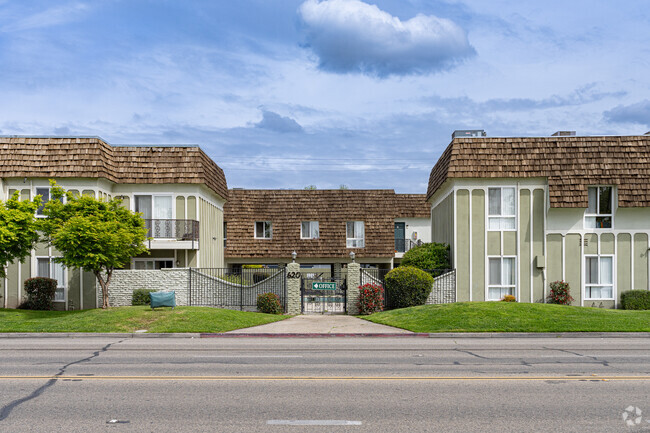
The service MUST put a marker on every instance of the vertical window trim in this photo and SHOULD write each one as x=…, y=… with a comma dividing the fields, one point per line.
x=501, y=285
x=613, y=197
x=599, y=284
x=264, y=229
x=502, y=215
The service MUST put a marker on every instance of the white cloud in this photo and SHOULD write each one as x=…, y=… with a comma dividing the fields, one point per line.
x=352, y=36
x=48, y=17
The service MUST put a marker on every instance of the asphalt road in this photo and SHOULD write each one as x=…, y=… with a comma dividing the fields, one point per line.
x=323, y=385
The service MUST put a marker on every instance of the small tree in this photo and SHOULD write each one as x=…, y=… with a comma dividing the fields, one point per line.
x=95, y=234
x=18, y=230
x=427, y=256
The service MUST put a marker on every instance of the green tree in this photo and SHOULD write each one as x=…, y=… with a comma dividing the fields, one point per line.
x=311, y=187
x=18, y=230
x=95, y=234
x=428, y=256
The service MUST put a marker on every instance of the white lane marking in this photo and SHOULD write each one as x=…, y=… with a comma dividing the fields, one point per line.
x=312, y=422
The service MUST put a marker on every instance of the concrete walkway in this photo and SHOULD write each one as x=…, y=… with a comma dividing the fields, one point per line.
x=321, y=324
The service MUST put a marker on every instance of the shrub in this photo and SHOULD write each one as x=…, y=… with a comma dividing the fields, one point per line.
x=408, y=286
x=509, y=298
x=269, y=303
x=40, y=293
x=428, y=256
x=233, y=278
x=141, y=296
x=371, y=298
x=560, y=293
x=636, y=300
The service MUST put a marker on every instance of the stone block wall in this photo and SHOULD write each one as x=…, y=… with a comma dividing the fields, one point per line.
x=124, y=281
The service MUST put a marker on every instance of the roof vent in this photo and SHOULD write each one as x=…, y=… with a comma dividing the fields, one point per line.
x=459, y=133
x=563, y=134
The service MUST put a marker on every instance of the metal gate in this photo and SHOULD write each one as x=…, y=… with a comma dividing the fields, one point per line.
x=235, y=288
x=323, y=295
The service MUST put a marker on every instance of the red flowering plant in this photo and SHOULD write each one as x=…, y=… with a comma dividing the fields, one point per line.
x=371, y=298
x=560, y=293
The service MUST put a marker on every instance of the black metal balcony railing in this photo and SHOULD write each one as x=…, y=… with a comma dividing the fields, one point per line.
x=180, y=230
x=403, y=245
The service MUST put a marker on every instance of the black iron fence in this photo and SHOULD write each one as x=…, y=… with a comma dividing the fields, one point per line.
x=443, y=290
x=235, y=288
x=180, y=230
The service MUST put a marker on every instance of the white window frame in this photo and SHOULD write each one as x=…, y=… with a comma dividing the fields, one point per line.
x=596, y=215
x=356, y=241
x=588, y=286
x=502, y=215
x=63, y=286
x=310, y=230
x=264, y=230
x=39, y=211
x=153, y=206
x=512, y=287
x=154, y=260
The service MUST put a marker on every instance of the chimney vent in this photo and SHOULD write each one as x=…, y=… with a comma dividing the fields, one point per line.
x=459, y=133
x=564, y=134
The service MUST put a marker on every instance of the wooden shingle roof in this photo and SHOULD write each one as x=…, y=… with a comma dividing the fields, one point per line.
x=91, y=157
x=569, y=163
x=411, y=206
x=286, y=209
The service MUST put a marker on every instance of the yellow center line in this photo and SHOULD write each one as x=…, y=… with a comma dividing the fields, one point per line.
x=329, y=378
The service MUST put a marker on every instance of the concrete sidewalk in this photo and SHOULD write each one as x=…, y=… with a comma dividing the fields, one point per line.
x=321, y=324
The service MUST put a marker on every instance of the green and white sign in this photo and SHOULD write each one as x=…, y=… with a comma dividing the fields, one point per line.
x=324, y=285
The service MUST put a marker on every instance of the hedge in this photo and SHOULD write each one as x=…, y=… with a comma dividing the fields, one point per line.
x=408, y=286
x=636, y=300
x=141, y=296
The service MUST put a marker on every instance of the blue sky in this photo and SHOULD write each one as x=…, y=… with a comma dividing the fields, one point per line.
x=284, y=93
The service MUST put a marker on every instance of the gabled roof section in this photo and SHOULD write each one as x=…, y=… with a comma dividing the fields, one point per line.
x=92, y=157
x=570, y=164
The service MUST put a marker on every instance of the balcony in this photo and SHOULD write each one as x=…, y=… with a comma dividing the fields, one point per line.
x=172, y=234
x=403, y=245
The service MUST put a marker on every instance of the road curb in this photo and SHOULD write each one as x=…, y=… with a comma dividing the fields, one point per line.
x=96, y=335
x=311, y=335
x=540, y=335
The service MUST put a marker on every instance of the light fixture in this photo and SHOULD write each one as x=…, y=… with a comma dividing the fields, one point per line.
x=352, y=255
x=293, y=256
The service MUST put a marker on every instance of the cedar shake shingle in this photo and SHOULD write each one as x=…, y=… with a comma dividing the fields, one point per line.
x=91, y=157
x=570, y=164
x=286, y=209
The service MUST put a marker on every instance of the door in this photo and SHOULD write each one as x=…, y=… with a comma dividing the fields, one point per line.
x=400, y=237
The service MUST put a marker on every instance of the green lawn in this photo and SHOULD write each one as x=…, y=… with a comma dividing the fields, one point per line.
x=129, y=319
x=512, y=317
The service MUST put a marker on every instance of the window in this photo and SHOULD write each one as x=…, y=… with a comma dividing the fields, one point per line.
x=263, y=230
x=154, y=207
x=48, y=268
x=145, y=264
x=501, y=209
x=225, y=234
x=501, y=277
x=355, y=234
x=44, y=192
x=599, y=211
x=309, y=230
x=156, y=210
x=599, y=277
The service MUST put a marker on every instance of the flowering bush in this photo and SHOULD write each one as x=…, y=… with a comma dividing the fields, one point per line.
x=269, y=303
x=560, y=293
x=509, y=298
x=371, y=298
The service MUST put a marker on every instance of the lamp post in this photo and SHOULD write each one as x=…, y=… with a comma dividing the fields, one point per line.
x=352, y=255
x=293, y=256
